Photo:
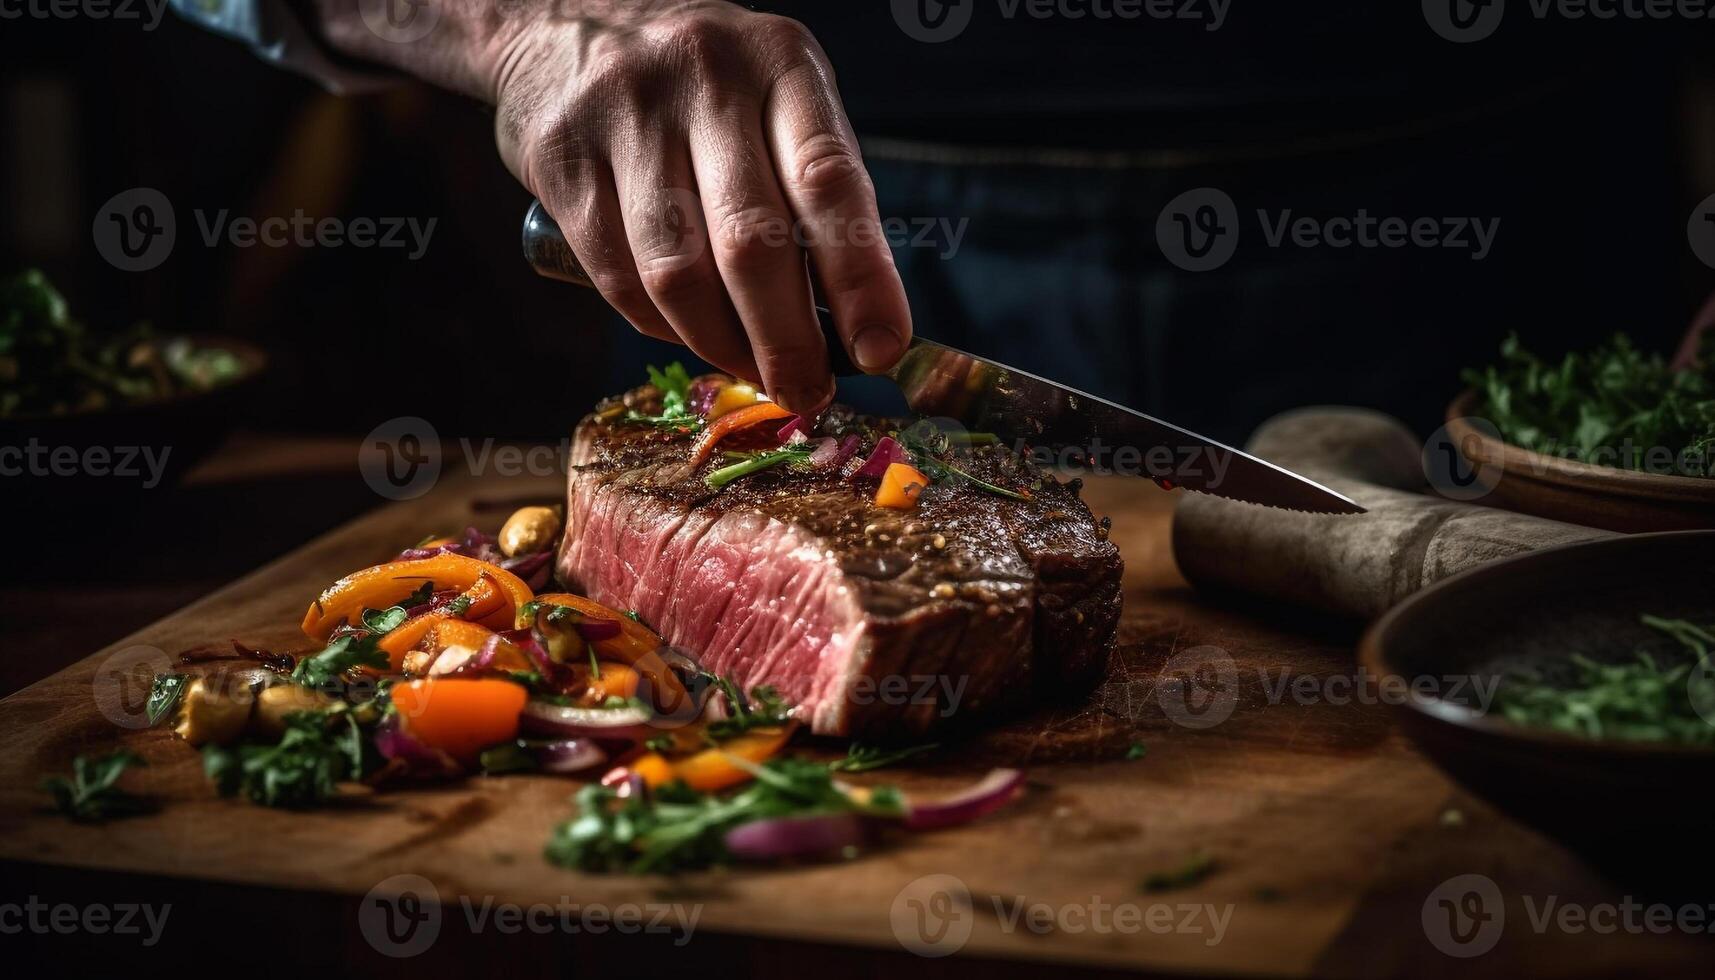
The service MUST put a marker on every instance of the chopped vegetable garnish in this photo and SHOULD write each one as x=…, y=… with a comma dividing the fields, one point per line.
x=900, y=487
x=90, y=793
x=749, y=463
x=863, y=758
x=1200, y=865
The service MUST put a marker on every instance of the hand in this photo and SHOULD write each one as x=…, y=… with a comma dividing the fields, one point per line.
x=693, y=155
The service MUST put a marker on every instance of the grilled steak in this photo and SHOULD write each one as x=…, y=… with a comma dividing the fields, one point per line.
x=877, y=622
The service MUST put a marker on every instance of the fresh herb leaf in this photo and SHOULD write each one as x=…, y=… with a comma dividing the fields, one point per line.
x=674, y=383
x=863, y=758
x=765, y=708
x=1137, y=751
x=1611, y=405
x=90, y=793
x=458, y=606
x=1200, y=865
x=346, y=653
x=929, y=446
x=505, y=758
x=379, y=621
x=749, y=463
x=679, y=829
x=319, y=750
x=164, y=696
x=1640, y=700
x=632, y=615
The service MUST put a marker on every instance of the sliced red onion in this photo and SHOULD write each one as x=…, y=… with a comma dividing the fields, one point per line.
x=417, y=554
x=826, y=452
x=701, y=396
x=886, y=452
x=571, y=721
x=985, y=796
x=849, y=447
x=796, y=429
x=794, y=837
x=597, y=630
x=568, y=755
x=533, y=568
x=625, y=783
x=394, y=742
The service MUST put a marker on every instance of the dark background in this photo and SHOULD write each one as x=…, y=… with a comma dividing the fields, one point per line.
x=1058, y=140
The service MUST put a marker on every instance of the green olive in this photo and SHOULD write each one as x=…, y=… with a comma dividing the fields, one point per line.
x=529, y=530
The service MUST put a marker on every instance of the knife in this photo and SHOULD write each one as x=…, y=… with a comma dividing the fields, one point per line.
x=1071, y=427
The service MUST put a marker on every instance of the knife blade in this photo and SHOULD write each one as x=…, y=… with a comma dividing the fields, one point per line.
x=1049, y=422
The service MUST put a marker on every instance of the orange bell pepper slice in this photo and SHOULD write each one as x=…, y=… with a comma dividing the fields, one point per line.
x=460, y=716
x=616, y=681
x=637, y=646
x=901, y=485
x=713, y=768
x=380, y=586
x=732, y=422
x=440, y=632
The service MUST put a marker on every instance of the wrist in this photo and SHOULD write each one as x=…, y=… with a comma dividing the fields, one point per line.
x=459, y=45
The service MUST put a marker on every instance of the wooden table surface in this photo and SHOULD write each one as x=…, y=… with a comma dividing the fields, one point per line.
x=1330, y=833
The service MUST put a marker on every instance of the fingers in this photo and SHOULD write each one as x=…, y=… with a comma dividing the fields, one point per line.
x=586, y=207
x=669, y=243
x=833, y=199
x=759, y=259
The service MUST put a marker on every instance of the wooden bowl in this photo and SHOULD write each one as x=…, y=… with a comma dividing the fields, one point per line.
x=184, y=427
x=1578, y=493
x=1629, y=806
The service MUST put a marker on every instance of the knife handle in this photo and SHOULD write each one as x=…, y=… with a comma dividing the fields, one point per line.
x=547, y=251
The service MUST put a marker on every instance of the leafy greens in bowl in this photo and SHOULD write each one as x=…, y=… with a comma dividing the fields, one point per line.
x=1610, y=438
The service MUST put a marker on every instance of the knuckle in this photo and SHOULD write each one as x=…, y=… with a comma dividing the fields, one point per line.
x=827, y=168
x=785, y=35
x=753, y=238
x=672, y=279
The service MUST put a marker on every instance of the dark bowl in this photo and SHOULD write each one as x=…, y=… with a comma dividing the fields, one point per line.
x=1633, y=808
x=178, y=431
x=1578, y=493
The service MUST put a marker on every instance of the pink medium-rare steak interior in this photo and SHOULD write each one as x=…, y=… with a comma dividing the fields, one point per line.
x=875, y=622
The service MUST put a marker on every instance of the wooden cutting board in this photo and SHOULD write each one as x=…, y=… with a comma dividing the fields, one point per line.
x=1329, y=832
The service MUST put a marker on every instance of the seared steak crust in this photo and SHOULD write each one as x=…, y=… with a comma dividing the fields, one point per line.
x=878, y=622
